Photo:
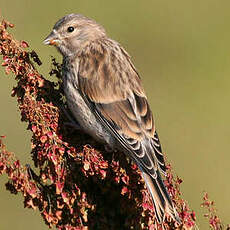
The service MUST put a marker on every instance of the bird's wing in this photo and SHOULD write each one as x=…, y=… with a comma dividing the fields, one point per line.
x=112, y=88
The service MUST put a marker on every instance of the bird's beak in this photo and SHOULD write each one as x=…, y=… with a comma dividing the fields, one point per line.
x=51, y=39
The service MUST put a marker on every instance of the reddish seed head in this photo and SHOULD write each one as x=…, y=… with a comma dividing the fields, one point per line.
x=24, y=44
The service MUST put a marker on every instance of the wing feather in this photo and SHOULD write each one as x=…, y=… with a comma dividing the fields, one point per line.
x=110, y=85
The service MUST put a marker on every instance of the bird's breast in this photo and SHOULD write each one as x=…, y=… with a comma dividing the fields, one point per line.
x=83, y=114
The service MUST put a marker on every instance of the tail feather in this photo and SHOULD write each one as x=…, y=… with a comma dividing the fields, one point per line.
x=160, y=197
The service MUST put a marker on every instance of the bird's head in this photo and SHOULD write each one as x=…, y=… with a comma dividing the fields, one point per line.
x=73, y=32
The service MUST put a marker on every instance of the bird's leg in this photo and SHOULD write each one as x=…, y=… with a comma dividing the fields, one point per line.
x=72, y=122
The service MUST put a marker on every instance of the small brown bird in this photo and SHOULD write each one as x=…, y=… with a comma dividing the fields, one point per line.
x=104, y=92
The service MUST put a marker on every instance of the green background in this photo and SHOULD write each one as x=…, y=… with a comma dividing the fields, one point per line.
x=182, y=51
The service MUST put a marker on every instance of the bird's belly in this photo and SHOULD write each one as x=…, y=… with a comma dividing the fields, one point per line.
x=85, y=116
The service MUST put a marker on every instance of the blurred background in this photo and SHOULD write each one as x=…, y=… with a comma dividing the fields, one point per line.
x=182, y=52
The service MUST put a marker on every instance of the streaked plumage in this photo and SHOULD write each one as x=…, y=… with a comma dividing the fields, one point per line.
x=105, y=94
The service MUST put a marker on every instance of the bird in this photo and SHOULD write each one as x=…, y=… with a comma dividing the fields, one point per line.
x=104, y=92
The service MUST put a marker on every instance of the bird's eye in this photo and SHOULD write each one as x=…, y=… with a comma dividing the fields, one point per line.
x=70, y=29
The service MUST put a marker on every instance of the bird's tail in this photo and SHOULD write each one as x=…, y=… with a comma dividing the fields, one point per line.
x=161, y=200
